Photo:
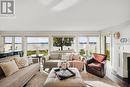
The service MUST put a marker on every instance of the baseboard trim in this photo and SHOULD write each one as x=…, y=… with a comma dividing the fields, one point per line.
x=119, y=77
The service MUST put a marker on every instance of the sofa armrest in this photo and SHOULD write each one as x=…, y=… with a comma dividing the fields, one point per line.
x=46, y=57
x=103, y=63
x=90, y=60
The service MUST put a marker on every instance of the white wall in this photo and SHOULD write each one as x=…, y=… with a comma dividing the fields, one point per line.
x=119, y=49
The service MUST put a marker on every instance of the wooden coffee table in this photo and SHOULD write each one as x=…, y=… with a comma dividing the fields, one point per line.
x=53, y=81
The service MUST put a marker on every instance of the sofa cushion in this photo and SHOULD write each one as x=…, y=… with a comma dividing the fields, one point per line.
x=21, y=62
x=96, y=66
x=1, y=72
x=99, y=57
x=30, y=61
x=70, y=56
x=9, y=67
x=76, y=57
x=54, y=56
x=21, y=77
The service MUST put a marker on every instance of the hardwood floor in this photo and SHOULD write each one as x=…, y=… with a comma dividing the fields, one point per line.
x=120, y=81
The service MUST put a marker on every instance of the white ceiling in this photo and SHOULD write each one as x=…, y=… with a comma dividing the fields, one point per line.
x=66, y=15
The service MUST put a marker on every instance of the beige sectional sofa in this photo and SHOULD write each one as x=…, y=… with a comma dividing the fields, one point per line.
x=19, y=78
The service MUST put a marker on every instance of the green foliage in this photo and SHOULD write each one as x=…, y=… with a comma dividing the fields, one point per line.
x=60, y=42
x=108, y=54
x=82, y=52
x=57, y=41
x=31, y=52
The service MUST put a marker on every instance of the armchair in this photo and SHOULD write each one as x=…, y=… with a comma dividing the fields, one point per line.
x=51, y=60
x=96, y=65
x=76, y=61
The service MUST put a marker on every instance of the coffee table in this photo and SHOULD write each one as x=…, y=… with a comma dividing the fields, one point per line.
x=53, y=81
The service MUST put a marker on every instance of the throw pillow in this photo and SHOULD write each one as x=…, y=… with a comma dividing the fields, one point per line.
x=99, y=57
x=30, y=61
x=76, y=57
x=71, y=56
x=9, y=67
x=21, y=62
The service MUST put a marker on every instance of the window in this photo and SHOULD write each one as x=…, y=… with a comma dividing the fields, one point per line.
x=107, y=46
x=12, y=44
x=18, y=43
x=40, y=44
x=88, y=45
x=8, y=44
x=92, y=45
x=63, y=43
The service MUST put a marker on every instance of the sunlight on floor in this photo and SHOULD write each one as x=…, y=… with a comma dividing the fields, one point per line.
x=99, y=84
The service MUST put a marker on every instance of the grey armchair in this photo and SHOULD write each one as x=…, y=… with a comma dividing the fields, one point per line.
x=51, y=60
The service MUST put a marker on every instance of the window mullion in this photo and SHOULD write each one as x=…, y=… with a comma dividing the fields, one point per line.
x=13, y=43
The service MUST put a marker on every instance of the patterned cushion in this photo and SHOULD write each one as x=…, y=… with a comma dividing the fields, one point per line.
x=99, y=57
x=95, y=65
x=21, y=62
x=9, y=67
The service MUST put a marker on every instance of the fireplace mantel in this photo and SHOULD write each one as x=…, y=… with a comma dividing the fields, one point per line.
x=123, y=65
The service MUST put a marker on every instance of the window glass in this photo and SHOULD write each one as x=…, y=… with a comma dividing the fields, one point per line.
x=18, y=39
x=37, y=40
x=38, y=45
x=83, y=40
x=8, y=40
x=88, y=45
x=7, y=44
x=63, y=43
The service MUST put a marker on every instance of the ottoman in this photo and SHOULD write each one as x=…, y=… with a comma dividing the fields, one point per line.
x=53, y=81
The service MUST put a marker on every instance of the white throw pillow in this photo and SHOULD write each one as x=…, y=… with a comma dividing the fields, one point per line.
x=21, y=62
x=9, y=67
x=30, y=61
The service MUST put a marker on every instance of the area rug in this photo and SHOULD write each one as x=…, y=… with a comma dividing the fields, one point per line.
x=94, y=81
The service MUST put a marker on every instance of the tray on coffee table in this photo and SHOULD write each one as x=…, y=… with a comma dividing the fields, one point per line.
x=64, y=73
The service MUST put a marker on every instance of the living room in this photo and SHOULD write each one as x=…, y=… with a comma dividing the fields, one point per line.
x=88, y=37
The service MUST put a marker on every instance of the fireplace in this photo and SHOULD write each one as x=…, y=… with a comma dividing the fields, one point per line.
x=128, y=69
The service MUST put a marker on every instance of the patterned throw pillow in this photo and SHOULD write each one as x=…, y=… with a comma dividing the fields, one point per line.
x=99, y=57
x=21, y=62
x=9, y=67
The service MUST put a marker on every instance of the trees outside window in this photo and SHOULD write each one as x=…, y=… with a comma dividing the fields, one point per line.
x=108, y=46
x=62, y=41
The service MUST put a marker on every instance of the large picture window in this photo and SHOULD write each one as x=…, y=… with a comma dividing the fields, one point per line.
x=8, y=44
x=12, y=44
x=108, y=46
x=40, y=44
x=88, y=45
x=18, y=43
x=63, y=43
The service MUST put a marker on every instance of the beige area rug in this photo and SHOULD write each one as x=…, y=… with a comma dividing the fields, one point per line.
x=90, y=80
x=94, y=81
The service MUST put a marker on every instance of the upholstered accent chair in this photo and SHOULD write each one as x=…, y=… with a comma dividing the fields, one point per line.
x=96, y=65
x=51, y=60
x=76, y=61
